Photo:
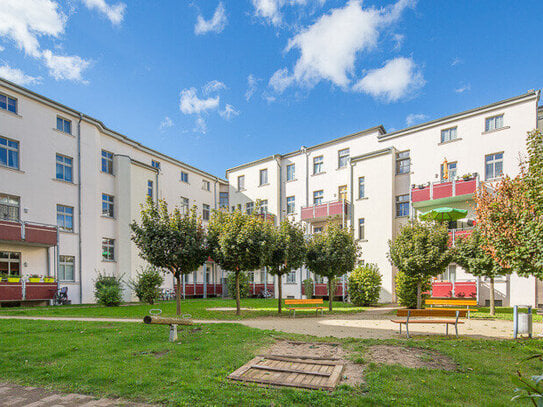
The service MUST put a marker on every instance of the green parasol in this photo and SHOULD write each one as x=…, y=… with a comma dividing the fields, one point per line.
x=444, y=214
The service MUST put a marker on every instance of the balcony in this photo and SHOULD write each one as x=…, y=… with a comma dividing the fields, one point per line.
x=26, y=292
x=437, y=193
x=321, y=212
x=30, y=233
x=456, y=234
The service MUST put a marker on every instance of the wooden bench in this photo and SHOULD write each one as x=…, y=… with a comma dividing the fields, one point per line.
x=453, y=302
x=317, y=304
x=408, y=313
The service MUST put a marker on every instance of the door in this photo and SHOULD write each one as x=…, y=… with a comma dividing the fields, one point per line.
x=342, y=193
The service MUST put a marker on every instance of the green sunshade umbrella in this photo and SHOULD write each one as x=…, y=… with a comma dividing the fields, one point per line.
x=444, y=214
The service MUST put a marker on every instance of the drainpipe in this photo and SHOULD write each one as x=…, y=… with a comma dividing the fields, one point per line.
x=215, y=195
x=351, y=208
x=79, y=240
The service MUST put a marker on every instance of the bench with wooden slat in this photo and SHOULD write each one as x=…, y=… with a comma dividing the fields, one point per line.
x=437, y=312
x=313, y=303
x=453, y=302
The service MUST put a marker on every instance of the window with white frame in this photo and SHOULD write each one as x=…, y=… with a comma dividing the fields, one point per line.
x=318, y=164
x=107, y=162
x=184, y=206
x=108, y=249
x=448, y=172
x=361, y=187
x=402, y=205
x=291, y=277
x=493, y=166
x=64, y=167
x=66, y=266
x=291, y=205
x=150, y=189
x=9, y=208
x=291, y=172
x=64, y=125
x=108, y=205
x=205, y=211
x=241, y=183
x=263, y=176
x=155, y=164
x=343, y=158
x=450, y=273
x=317, y=229
x=206, y=185
x=10, y=263
x=184, y=177
x=361, y=228
x=223, y=200
x=8, y=103
x=403, y=163
x=263, y=204
x=65, y=217
x=249, y=207
x=494, y=122
x=318, y=197
x=9, y=153
x=448, y=134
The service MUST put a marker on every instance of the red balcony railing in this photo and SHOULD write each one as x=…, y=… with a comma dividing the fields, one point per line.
x=440, y=190
x=454, y=235
x=325, y=210
x=16, y=292
x=28, y=232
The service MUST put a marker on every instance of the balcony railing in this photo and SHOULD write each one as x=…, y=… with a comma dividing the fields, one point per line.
x=462, y=188
x=28, y=232
x=320, y=212
x=456, y=234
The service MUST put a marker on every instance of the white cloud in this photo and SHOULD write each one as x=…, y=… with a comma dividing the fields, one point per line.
x=213, y=86
x=395, y=80
x=281, y=80
x=200, y=125
x=190, y=103
x=65, y=67
x=329, y=47
x=463, y=88
x=166, y=123
x=228, y=112
x=414, y=118
x=215, y=24
x=252, y=84
x=270, y=10
x=1, y=48
x=17, y=76
x=456, y=61
x=114, y=13
x=398, y=41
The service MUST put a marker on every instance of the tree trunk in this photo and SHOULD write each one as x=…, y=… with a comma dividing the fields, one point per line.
x=178, y=293
x=419, y=295
x=238, y=308
x=279, y=293
x=492, y=307
x=330, y=294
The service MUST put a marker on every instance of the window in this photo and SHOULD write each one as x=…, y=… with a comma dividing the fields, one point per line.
x=263, y=206
x=361, y=187
x=342, y=192
x=403, y=163
x=150, y=189
x=206, y=185
x=402, y=205
x=264, y=176
x=64, y=168
x=291, y=205
x=449, y=172
x=8, y=103
x=493, y=166
x=317, y=197
x=317, y=229
x=66, y=268
x=184, y=177
x=291, y=277
x=448, y=134
x=9, y=208
x=291, y=172
x=494, y=122
x=223, y=200
x=361, y=229
x=241, y=183
x=342, y=158
x=65, y=217
x=10, y=263
x=184, y=207
x=317, y=164
x=155, y=164
x=108, y=206
x=9, y=153
x=108, y=249
x=450, y=273
x=107, y=162
x=64, y=125
x=205, y=211
x=249, y=207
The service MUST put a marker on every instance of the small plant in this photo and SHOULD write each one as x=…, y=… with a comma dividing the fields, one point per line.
x=365, y=285
x=108, y=290
x=529, y=388
x=3, y=277
x=244, y=285
x=147, y=284
x=308, y=287
x=406, y=289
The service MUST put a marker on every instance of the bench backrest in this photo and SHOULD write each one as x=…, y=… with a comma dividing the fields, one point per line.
x=311, y=301
x=432, y=312
x=451, y=301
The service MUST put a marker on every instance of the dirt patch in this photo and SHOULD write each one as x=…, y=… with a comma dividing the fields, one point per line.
x=353, y=373
x=227, y=309
x=155, y=353
x=415, y=358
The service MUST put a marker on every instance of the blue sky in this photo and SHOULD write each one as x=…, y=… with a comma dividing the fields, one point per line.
x=218, y=83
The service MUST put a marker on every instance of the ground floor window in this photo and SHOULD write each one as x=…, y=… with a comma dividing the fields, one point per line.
x=10, y=263
x=450, y=273
x=66, y=268
x=108, y=249
x=291, y=277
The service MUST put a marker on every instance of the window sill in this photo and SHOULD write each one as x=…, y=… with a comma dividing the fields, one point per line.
x=494, y=179
x=291, y=283
x=362, y=199
x=341, y=168
x=362, y=240
x=496, y=130
x=264, y=185
x=108, y=217
x=67, y=282
x=63, y=181
x=241, y=190
x=107, y=173
x=318, y=173
x=402, y=217
x=5, y=167
x=184, y=182
x=69, y=232
x=449, y=141
x=17, y=115
x=109, y=261
x=63, y=132
x=207, y=190
x=404, y=173
x=291, y=180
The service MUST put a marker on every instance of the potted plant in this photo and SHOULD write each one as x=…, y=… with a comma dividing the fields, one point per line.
x=34, y=278
x=48, y=279
x=468, y=176
x=14, y=279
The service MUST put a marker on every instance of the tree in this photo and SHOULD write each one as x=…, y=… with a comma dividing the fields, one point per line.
x=420, y=251
x=470, y=254
x=286, y=251
x=510, y=215
x=171, y=241
x=330, y=254
x=365, y=285
x=238, y=243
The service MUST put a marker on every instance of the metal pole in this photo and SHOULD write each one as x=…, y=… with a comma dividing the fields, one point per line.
x=205, y=280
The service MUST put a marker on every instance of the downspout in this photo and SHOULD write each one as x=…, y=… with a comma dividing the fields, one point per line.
x=79, y=239
x=280, y=203
x=351, y=207
x=215, y=195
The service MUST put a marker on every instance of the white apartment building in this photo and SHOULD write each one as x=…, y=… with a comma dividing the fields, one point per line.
x=374, y=181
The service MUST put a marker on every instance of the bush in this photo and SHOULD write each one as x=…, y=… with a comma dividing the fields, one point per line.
x=108, y=290
x=406, y=290
x=365, y=285
x=308, y=287
x=147, y=284
x=244, y=285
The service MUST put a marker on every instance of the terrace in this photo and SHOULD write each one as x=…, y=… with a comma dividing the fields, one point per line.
x=323, y=211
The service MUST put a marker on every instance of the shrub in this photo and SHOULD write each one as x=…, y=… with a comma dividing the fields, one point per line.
x=108, y=290
x=147, y=284
x=406, y=290
x=308, y=287
x=244, y=285
x=365, y=285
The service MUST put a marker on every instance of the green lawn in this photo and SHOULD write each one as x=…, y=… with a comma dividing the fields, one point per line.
x=136, y=362
x=502, y=313
x=195, y=307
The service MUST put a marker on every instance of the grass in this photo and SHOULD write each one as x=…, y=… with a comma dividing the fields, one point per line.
x=505, y=313
x=197, y=308
x=136, y=362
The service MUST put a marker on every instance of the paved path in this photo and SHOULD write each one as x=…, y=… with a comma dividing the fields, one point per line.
x=24, y=396
x=92, y=319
